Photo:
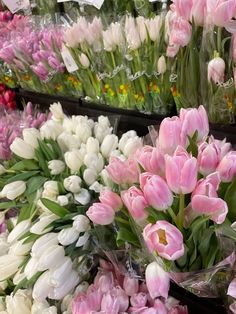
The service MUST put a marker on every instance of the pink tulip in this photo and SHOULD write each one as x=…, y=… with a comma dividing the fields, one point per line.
x=156, y=191
x=101, y=214
x=205, y=199
x=232, y=307
x=223, y=146
x=198, y=12
x=179, y=309
x=94, y=298
x=130, y=285
x=123, y=172
x=194, y=120
x=216, y=70
x=80, y=304
x=208, y=158
x=150, y=310
x=40, y=70
x=138, y=300
x=182, y=8
x=135, y=202
x=223, y=11
x=105, y=281
x=169, y=135
x=165, y=239
x=151, y=160
x=172, y=51
x=234, y=46
x=232, y=289
x=158, y=281
x=181, y=171
x=111, y=199
x=115, y=301
x=181, y=32
x=160, y=306
x=227, y=167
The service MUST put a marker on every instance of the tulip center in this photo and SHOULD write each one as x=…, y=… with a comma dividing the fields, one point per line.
x=162, y=236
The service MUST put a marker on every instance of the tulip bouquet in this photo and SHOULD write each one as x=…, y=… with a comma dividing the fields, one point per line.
x=178, y=203
x=56, y=173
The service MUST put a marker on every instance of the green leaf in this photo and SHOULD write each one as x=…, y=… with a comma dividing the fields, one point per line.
x=55, y=208
x=125, y=235
x=24, y=213
x=25, y=165
x=25, y=283
x=193, y=148
x=230, y=198
x=47, y=152
x=205, y=244
x=56, y=148
x=42, y=163
x=22, y=176
x=35, y=183
x=197, y=224
x=32, y=238
x=6, y=205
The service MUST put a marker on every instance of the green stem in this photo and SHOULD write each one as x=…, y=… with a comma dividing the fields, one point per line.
x=172, y=214
x=219, y=35
x=123, y=221
x=180, y=220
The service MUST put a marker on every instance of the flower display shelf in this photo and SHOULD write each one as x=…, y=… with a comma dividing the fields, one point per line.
x=128, y=119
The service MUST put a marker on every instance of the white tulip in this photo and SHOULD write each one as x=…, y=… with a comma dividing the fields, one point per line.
x=83, y=59
x=4, y=245
x=41, y=244
x=100, y=131
x=81, y=223
x=9, y=265
x=83, y=287
x=2, y=169
x=57, y=111
x=132, y=145
x=106, y=179
x=104, y=121
x=50, y=310
x=154, y=27
x=68, y=236
x=31, y=136
x=108, y=42
x=21, y=228
x=115, y=153
x=2, y=303
x=83, y=197
x=82, y=240
x=19, y=248
x=56, y=167
x=62, y=200
x=89, y=176
x=69, y=125
x=117, y=34
x=96, y=187
x=161, y=65
x=13, y=190
x=73, y=160
x=59, y=275
x=124, y=138
x=42, y=287
x=92, y=145
x=19, y=303
x=51, y=130
x=80, y=119
x=51, y=257
x=20, y=148
x=68, y=142
x=42, y=226
x=142, y=28
x=132, y=34
x=50, y=189
x=72, y=184
x=109, y=144
x=66, y=303
x=94, y=161
x=83, y=150
x=83, y=131
x=19, y=276
x=38, y=307
x=70, y=283
x=31, y=268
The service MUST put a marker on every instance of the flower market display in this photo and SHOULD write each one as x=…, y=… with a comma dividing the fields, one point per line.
x=172, y=58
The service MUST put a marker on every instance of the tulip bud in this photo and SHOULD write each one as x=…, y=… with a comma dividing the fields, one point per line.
x=83, y=59
x=40, y=227
x=19, y=248
x=57, y=112
x=131, y=286
x=21, y=228
x=161, y=65
x=83, y=197
x=227, y=167
x=20, y=148
x=31, y=268
x=9, y=265
x=92, y=145
x=208, y=158
x=51, y=130
x=62, y=200
x=89, y=176
x=101, y=214
x=132, y=145
x=56, y=167
x=19, y=302
x=84, y=132
x=31, y=137
x=51, y=257
x=68, y=236
x=216, y=70
x=43, y=243
x=68, y=142
x=94, y=161
x=158, y=281
x=50, y=190
x=13, y=190
x=106, y=179
x=73, y=160
x=110, y=198
x=42, y=287
x=81, y=223
x=109, y=144
x=72, y=184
